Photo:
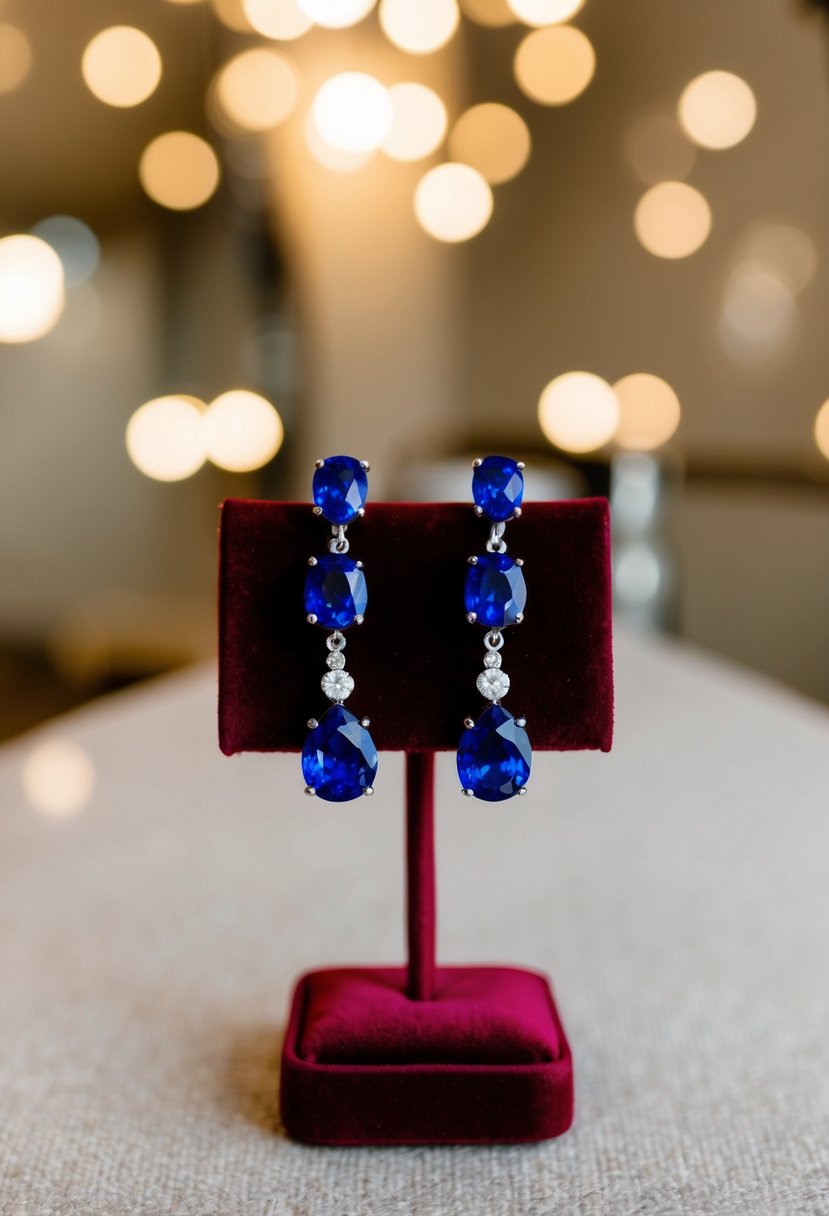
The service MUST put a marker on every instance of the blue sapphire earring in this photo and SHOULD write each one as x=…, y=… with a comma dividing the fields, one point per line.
x=494, y=754
x=339, y=759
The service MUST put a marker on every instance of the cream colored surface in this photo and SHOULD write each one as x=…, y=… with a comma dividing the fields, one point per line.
x=675, y=890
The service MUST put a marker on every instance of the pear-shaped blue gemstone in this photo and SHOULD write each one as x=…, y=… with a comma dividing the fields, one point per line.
x=496, y=590
x=494, y=756
x=340, y=488
x=335, y=591
x=498, y=487
x=339, y=759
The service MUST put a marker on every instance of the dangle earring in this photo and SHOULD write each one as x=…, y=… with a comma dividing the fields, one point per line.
x=494, y=754
x=339, y=759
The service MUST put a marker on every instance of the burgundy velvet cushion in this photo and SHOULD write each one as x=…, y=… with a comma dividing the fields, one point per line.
x=416, y=657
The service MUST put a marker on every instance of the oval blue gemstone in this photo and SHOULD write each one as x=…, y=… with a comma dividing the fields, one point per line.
x=498, y=487
x=340, y=488
x=335, y=591
x=494, y=756
x=339, y=759
x=495, y=590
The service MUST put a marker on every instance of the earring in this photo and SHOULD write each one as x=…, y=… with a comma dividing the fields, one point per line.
x=339, y=759
x=494, y=754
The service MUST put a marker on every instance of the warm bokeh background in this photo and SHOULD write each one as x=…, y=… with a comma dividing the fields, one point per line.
x=285, y=266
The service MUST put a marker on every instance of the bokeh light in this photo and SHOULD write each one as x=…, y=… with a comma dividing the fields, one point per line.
x=578, y=412
x=822, y=429
x=492, y=14
x=672, y=220
x=121, y=66
x=717, y=109
x=759, y=315
x=184, y=2
x=31, y=288
x=332, y=158
x=257, y=89
x=15, y=57
x=783, y=250
x=637, y=573
x=493, y=139
x=418, y=122
x=658, y=150
x=232, y=14
x=554, y=65
x=58, y=778
x=243, y=431
x=166, y=437
x=179, y=170
x=544, y=12
x=279, y=19
x=453, y=202
x=352, y=112
x=420, y=27
x=336, y=14
x=649, y=412
x=75, y=244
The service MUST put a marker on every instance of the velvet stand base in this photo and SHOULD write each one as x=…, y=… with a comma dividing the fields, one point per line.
x=485, y=1061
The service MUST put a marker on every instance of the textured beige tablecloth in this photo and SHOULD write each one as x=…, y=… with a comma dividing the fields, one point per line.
x=676, y=890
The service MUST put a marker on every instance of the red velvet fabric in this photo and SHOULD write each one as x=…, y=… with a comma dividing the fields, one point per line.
x=559, y=659
x=485, y=1062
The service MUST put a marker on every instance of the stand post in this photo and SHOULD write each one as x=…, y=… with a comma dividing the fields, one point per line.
x=420, y=873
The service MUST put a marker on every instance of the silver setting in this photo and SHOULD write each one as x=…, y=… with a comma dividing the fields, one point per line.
x=519, y=561
x=496, y=542
x=368, y=791
x=339, y=541
x=319, y=464
x=473, y=561
x=316, y=510
x=479, y=511
x=364, y=464
x=522, y=722
x=494, y=640
x=472, y=617
x=312, y=724
x=476, y=464
x=310, y=791
x=469, y=723
x=519, y=616
x=335, y=640
x=358, y=620
x=359, y=565
x=522, y=791
x=469, y=793
x=365, y=722
x=517, y=513
x=312, y=561
x=311, y=618
x=520, y=465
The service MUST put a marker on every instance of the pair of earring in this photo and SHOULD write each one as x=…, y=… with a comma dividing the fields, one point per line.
x=339, y=759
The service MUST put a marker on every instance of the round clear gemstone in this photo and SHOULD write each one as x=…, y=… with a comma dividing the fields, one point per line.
x=336, y=660
x=337, y=685
x=492, y=659
x=493, y=684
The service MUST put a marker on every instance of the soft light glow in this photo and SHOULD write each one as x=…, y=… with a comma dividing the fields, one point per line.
x=648, y=412
x=822, y=429
x=717, y=110
x=336, y=14
x=353, y=112
x=544, y=12
x=418, y=122
x=75, y=244
x=232, y=14
x=492, y=139
x=179, y=170
x=280, y=19
x=453, y=202
x=658, y=150
x=257, y=89
x=31, y=288
x=554, y=65
x=578, y=412
x=166, y=438
x=759, y=315
x=58, y=778
x=121, y=66
x=332, y=158
x=15, y=57
x=420, y=27
x=783, y=250
x=183, y=2
x=493, y=14
x=243, y=431
x=637, y=574
x=672, y=220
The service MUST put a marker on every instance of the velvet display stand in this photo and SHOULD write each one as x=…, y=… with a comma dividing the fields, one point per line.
x=419, y=1054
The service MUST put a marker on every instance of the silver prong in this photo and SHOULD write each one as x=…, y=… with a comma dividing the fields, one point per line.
x=520, y=465
x=364, y=464
x=358, y=620
x=517, y=513
x=521, y=722
x=318, y=464
x=312, y=561
x=519, y=561
x=472, y=617
x=359, y=565
x=368, y=791
x=312, y=724
x=310, y=791
x=365, y=721
x=468, y=793
x=311, y=618
x=473, y=561
x=468, y=723
x=519, y=618
x=476, y=464
x=522, y=791
x=316, y=510
x=361, y=512
x=479, y=510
